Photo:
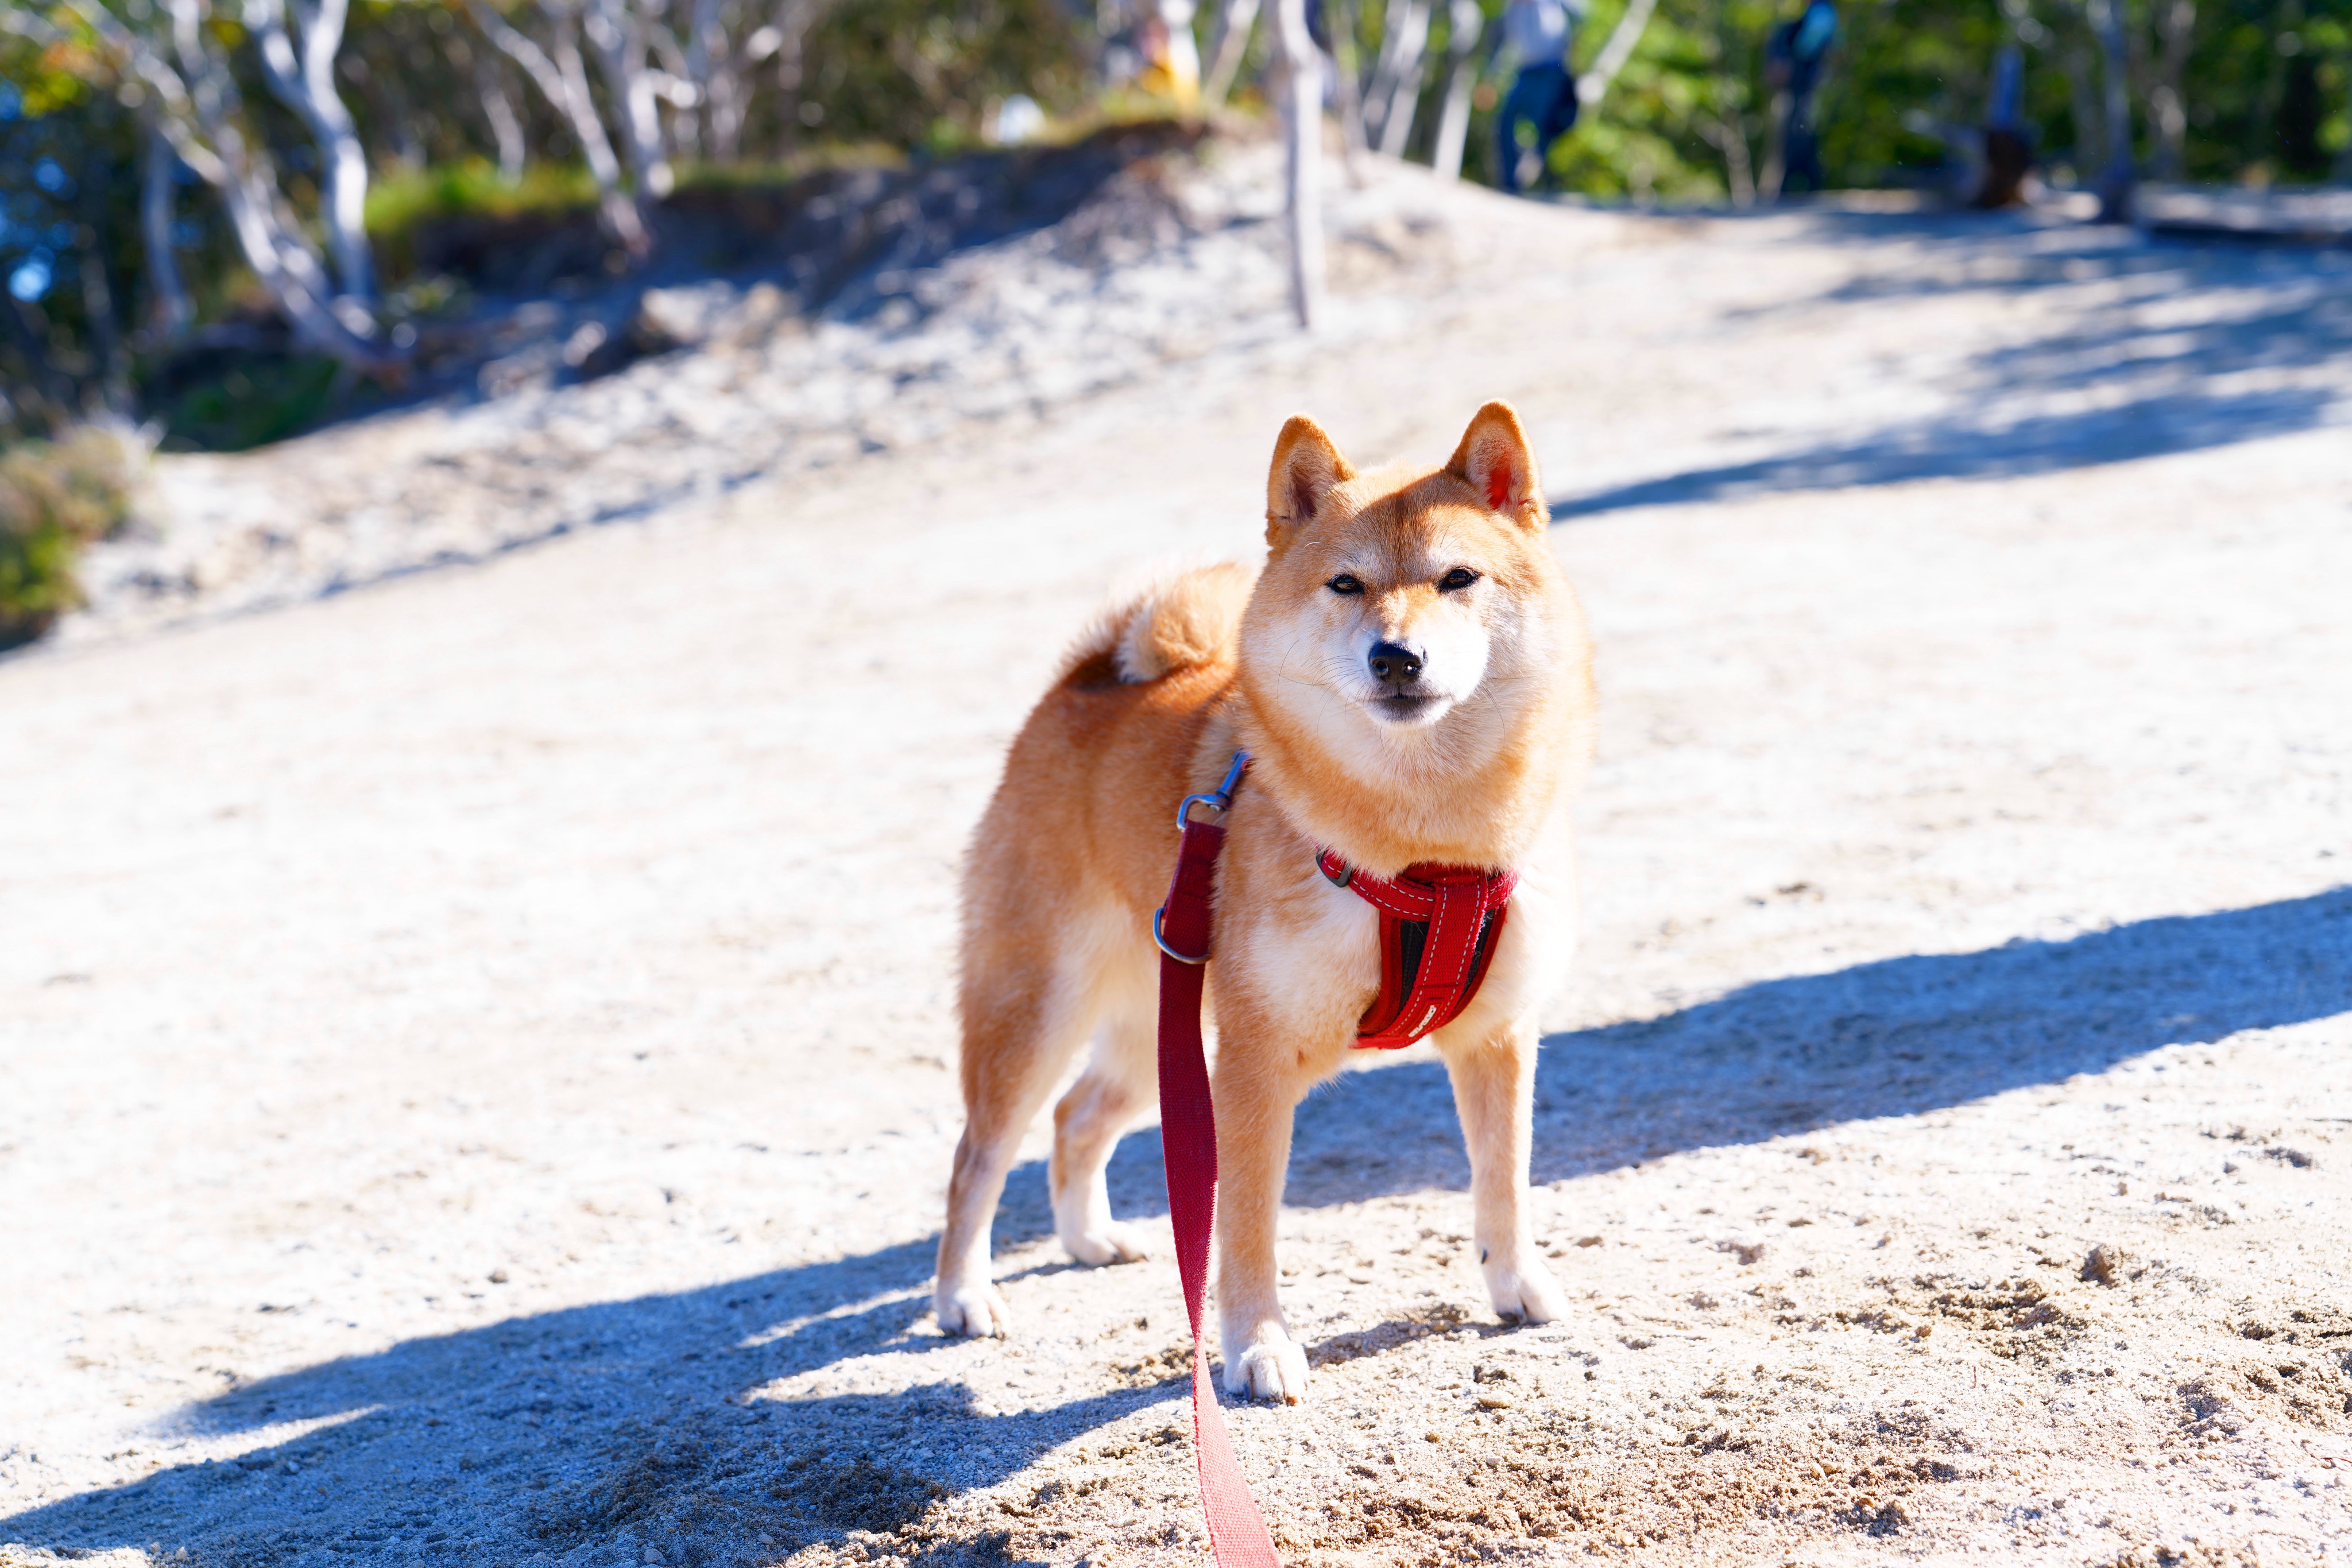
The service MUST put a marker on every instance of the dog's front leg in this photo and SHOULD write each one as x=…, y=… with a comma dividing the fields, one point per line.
x=1494, y=1091
x=1255, y=1099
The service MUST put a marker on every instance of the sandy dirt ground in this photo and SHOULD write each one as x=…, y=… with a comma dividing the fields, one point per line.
x=475, y=1053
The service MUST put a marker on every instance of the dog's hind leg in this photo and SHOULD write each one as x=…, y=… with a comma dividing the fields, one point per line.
x=1117, y=1088
x=1023, y=1020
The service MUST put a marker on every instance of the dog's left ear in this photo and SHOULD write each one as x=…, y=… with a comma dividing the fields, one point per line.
x=1495, y=461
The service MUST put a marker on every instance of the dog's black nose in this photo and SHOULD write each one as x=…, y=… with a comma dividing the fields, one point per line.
x=1393, y=664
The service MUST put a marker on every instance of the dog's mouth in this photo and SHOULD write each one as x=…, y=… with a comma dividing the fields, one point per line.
x=1406, y=709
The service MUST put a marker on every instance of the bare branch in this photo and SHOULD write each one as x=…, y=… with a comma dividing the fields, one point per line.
x=1622, y=38
x=563, y=81
x=305, y=83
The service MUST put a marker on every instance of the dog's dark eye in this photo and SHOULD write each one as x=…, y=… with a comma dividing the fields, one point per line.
x=1343, y=583
x=1460, y=577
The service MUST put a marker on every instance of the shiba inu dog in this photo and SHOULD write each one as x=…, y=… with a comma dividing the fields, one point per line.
x=1410, y=674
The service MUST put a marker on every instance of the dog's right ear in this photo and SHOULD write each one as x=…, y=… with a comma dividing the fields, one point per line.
x=1307, y=468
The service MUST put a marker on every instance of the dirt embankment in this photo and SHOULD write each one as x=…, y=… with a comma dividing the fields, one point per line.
x=789, y=333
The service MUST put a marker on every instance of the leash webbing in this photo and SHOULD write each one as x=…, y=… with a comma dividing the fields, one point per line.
x=1188, y=1140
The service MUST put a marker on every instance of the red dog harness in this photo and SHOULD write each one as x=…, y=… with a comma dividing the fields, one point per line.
x=1439, y=924
x=1438, y=928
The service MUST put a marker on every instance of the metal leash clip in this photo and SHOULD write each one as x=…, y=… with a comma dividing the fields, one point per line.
x=1218, y=799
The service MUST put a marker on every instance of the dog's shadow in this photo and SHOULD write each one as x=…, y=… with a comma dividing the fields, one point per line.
x=1886, y=1039
x=649, y=1390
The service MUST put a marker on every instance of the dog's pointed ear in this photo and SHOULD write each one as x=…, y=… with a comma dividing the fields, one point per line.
x=1307, y=468
x=1496, y=462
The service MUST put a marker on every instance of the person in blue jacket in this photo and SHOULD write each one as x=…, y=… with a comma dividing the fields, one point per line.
x=1793, y=57
x=1544, y=93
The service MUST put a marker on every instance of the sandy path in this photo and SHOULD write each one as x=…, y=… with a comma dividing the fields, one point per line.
x=473, y=1052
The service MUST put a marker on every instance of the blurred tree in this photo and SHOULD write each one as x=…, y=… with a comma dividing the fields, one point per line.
x=177, y=176
x=919, y=73
x=300, y=65
x=174, y=65
x=562, y=78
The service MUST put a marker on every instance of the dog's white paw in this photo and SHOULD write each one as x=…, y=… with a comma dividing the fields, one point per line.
x=1108, y=1243
x=1524, y=1291
x=974, y=1311
x=1277, y=1370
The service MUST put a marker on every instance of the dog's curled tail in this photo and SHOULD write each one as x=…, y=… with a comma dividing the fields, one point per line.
x=1179, y=620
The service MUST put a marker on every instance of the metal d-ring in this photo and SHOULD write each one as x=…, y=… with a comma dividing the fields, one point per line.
x=1161, y=942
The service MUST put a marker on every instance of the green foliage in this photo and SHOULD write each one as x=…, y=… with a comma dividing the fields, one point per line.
x=260, y=399
x=54, y=498
x=68, y=221
x=472, y=187
x=52, y=76
x=2276, y=76
x=1657, y=132
x=407, y=200
x=919, y=73
x=769, y=172
x=2265, y=90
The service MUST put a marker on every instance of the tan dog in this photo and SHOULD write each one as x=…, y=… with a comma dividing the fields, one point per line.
x=1411, y=675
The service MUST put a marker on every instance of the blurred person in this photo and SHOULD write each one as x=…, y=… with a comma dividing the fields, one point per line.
x=2007, y=141
x=1171, y=59
x=1793, y=57
x=1544, y=92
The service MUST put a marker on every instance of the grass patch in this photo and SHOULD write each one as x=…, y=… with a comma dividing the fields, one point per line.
x=56, y=499
x=404, y=206
x=259, y=398
x=760, y=174
x=398, y=202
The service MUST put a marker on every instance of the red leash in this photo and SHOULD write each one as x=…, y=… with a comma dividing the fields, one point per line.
x=1188, y=1143
x=1438, y=930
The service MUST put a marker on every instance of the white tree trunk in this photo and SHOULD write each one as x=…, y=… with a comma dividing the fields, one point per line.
x=1466, y=26
x=174, y=313
x=1302, y=126
x=618, y=33
x=1235, y=20
x=2167, y=108
x=1396, y=80
x=2343, y=169
x=1594, y=83
x=1730, y=138
x=2117, y=179
x=506, y=125
x=563, y=81
x=1375, y=82
x=784, y=38
x=302, y=73
x=675, y=81
x=1339, y=17
x=197, y=109
x=716, y=69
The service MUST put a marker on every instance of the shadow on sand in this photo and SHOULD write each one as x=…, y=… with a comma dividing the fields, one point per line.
x=640, y=1395
x=1963, y=449
x=2143, y=390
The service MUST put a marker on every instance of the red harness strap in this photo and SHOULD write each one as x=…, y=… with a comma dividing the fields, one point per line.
x=1439, y=925
x=1188, y=1142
